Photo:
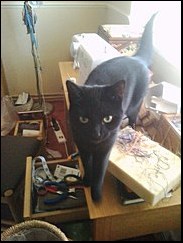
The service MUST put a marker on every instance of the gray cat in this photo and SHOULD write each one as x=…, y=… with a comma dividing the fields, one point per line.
x=114, y=89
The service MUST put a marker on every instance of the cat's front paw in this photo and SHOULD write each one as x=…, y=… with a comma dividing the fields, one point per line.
x=96, y=195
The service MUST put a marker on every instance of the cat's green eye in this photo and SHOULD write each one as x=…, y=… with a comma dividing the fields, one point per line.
x=83, y=119
x=107, y=119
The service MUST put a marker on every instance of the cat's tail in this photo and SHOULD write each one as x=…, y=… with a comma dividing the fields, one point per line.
x=145, y=51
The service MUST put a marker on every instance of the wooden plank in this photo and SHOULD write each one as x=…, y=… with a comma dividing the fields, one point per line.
x=111, y=205
x=141, y=223
x=67, y=71
x=27, y=210
x=65, y=215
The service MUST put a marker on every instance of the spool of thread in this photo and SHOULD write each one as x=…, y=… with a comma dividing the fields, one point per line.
x=30, y=133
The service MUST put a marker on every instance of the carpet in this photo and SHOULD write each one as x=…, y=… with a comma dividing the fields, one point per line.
x=54, y=149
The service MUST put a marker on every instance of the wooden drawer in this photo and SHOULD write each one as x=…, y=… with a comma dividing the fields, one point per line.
x=54, y=216
x=32, y=128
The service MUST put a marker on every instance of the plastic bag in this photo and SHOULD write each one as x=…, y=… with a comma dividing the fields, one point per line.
x=9, y=115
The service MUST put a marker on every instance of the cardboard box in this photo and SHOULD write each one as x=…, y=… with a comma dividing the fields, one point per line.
x=164, y=97
x=168, y=132
x=147, y=168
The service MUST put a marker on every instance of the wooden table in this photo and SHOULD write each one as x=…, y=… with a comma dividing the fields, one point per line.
x=114, y=221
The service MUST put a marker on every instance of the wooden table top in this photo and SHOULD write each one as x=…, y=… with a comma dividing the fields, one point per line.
x=110, y=204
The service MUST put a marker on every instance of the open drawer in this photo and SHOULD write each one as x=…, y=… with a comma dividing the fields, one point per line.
x=52, y=215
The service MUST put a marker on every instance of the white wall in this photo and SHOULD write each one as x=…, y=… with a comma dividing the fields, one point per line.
x=167, y=36
x=165, y=71
x=124, y=7
x=4, y=89
x=57, y=22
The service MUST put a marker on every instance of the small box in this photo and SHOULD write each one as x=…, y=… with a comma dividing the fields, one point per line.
x=30, y=128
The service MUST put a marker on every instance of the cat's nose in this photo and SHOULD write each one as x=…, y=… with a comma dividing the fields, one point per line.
x=96, y=132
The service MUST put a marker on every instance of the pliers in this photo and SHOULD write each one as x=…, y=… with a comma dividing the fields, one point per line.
x=60, y=188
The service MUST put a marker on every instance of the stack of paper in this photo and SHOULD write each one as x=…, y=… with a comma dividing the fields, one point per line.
x=147, y=168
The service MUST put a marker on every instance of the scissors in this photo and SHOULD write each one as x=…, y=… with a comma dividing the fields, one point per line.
x=59, y=188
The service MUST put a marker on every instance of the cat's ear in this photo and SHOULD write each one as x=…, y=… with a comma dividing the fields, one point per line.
x=118, y=88
x=74, y=91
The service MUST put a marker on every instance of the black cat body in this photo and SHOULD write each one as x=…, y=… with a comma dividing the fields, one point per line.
x=112, y=90
x=133, y=70
x=95, y=117
x=135, y=74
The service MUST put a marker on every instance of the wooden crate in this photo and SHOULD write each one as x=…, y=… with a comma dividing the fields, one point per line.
x=52, y=216
x=168, y=135
x=162, y=129
x=30, y=128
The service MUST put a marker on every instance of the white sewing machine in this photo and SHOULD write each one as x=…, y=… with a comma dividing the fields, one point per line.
x=88, y=51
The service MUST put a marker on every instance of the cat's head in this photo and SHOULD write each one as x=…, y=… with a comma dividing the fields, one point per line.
x=95, y=111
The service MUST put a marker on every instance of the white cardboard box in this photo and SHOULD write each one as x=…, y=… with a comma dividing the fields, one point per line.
x=147, y=168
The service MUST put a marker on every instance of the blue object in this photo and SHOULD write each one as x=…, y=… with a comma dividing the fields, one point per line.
x=29, y=19
x=60, y=188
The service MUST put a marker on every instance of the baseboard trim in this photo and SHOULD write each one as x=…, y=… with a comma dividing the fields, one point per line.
x=48, y=97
